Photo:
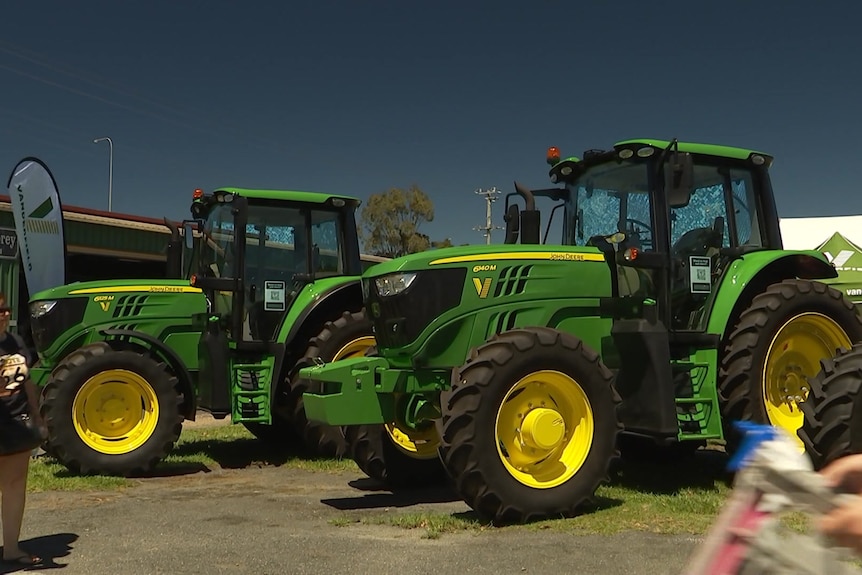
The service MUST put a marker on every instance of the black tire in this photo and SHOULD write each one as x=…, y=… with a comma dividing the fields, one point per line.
x=832, y=427
x=741, y=383
x=348, y=336
x=482, y=475
x=374, y=452
x=104, y=453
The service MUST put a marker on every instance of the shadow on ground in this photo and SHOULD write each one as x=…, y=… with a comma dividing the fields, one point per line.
x=657, y=471
x=48, y=547
x=228, y=454
x=667, y=472
x=377, y=496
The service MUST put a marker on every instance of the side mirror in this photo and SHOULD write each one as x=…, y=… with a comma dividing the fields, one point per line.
x=679, y=180
x=189, y=234
x=513, y=224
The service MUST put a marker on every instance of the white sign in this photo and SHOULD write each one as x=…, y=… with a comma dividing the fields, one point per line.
x=700, y=270
x=273, y=299
x=38, y=224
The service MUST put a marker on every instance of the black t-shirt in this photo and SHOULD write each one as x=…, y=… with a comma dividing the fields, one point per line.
x=16, y=403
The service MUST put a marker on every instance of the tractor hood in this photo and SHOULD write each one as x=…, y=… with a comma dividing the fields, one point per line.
x=482, y=255
x=421, y=303
x=114, y=286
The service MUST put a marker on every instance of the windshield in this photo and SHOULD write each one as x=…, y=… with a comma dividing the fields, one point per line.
x=609, y=198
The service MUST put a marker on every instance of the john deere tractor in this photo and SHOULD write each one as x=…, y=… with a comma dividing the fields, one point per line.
x=667, y=310
x=118, y=365
x=119, y=361
x=281, y=281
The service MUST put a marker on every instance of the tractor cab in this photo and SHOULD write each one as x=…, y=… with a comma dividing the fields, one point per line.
x=260, y=252
x=669, y=217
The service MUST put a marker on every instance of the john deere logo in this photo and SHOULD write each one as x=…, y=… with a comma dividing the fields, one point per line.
x=482, y=287
x=104, y=301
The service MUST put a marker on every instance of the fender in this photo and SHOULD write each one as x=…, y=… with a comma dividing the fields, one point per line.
x=751, y=273
x=349, y=290
x=328, y=305
x=189, y=406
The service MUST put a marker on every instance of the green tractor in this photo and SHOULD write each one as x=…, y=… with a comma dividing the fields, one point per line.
x=117, y=365
x=119, y=360
x=667, y=311
x=281, y=281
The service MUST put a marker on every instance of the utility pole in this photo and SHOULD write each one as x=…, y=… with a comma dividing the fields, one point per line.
x=110, y=166
x=490, y=197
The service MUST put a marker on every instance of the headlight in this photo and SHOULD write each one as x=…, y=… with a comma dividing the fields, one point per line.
x=393, y=284
x=40, y=308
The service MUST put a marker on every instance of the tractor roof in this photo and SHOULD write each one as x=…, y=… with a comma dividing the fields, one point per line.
x=695, y=148
x=289, y=195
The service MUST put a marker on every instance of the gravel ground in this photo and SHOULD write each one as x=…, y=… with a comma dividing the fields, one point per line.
x=269, y=519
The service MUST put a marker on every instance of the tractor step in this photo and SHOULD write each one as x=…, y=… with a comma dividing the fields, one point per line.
x=696, y=403
x=250, y=393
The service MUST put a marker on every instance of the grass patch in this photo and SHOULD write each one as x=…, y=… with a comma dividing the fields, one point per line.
x=341, y=521
x=798, y=522
x=234, y=447
x=434, y=524
x=198, y=449
x=46, y=474
x=677, y=497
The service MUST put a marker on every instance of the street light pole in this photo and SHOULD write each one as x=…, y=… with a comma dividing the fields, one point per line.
x=110, y=166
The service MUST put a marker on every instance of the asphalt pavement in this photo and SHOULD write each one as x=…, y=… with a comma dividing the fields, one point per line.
x=268, y=519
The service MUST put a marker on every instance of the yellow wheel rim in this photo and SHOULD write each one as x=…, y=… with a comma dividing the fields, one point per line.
x=793, y=356
x=544, y=429
x=115, y=412
x=418, y=444
x=355, y=348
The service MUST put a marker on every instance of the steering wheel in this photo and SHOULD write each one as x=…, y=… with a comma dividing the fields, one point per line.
x=697, y=242
x=635, y=233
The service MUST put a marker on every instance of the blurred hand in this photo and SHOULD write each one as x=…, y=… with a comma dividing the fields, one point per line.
x=845, y=474
x=844, y=526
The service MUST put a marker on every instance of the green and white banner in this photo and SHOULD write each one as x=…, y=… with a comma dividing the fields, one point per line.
x=39, y=224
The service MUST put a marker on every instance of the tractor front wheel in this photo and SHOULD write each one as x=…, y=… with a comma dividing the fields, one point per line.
x=111, y=412
x=351, y=335
x=776, y=345
x=832, y=427
x=394, y=456
x=529, y=426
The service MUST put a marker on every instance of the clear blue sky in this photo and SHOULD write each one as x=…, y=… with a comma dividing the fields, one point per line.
x=356, y=97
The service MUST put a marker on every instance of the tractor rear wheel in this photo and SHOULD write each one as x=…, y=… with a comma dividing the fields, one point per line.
x=529, y=426
x=776, y=345
x=394, y=456
x=351, y=335
x=111, y=412
x=833, y=411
